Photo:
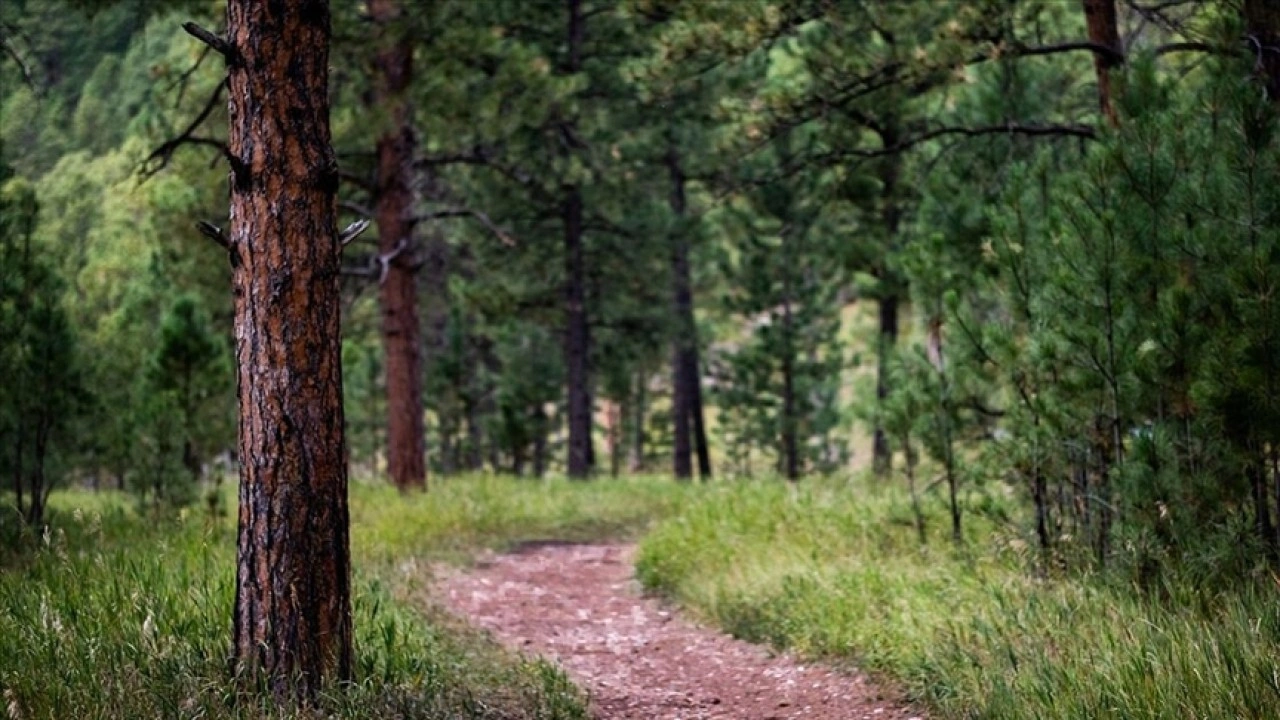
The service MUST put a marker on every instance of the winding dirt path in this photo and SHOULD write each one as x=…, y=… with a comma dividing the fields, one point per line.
x=579, y=606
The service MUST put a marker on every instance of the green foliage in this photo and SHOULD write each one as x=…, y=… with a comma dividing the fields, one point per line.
x=1123, y=321
x=38, y=358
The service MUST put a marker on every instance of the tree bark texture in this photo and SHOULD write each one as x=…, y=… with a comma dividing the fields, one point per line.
x=401, y=334
x=292, y=620
x=1100, y=17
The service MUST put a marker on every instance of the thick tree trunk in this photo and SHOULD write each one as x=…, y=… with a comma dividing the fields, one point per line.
x=292, y=621
x=1100, y=17
x=401, y=334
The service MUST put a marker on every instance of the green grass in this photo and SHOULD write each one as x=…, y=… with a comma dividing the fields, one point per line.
x=834, y=571
x=117, y=615
x=457, y=516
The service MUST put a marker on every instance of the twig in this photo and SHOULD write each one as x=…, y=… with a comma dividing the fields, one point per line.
x=467, y=212
x=214, y=233
x=352, y=232
x=219, y=45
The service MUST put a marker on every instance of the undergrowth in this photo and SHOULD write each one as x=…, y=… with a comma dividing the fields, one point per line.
x=116, y=614
x=835, y=571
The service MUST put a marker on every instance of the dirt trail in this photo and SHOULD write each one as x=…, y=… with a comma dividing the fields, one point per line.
x=579, y=606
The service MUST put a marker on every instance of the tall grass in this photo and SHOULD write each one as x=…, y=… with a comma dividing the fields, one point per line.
x=834, y=571
x=119, y=615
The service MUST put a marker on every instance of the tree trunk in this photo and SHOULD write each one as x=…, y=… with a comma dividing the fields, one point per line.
x=614, y=412
x=681, y=383
x=890, y=289
x=886, y=337
x=639, y=401
x=576, y=349
x=694, y=375
x=687, y=416
x=1100, y=17
x=393, y=204
x=790, y=449
x=292, y=621
x=917, y=511
x=17, y=468
x=539, y=417
x=577, y=341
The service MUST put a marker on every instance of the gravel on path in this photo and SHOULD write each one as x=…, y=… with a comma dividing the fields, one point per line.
x=579, y=606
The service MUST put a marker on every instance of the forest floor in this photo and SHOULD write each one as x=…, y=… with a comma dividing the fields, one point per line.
x=579, y=606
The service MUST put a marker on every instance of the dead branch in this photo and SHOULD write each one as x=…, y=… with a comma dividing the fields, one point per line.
x=219, y=45
x=352, y=231
x=483, y=218
x=160, y=157
x=214, y=233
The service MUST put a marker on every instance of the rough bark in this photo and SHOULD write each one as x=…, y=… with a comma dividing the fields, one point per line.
x=1100, y=17
x=393, y=204
x=292, y=619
